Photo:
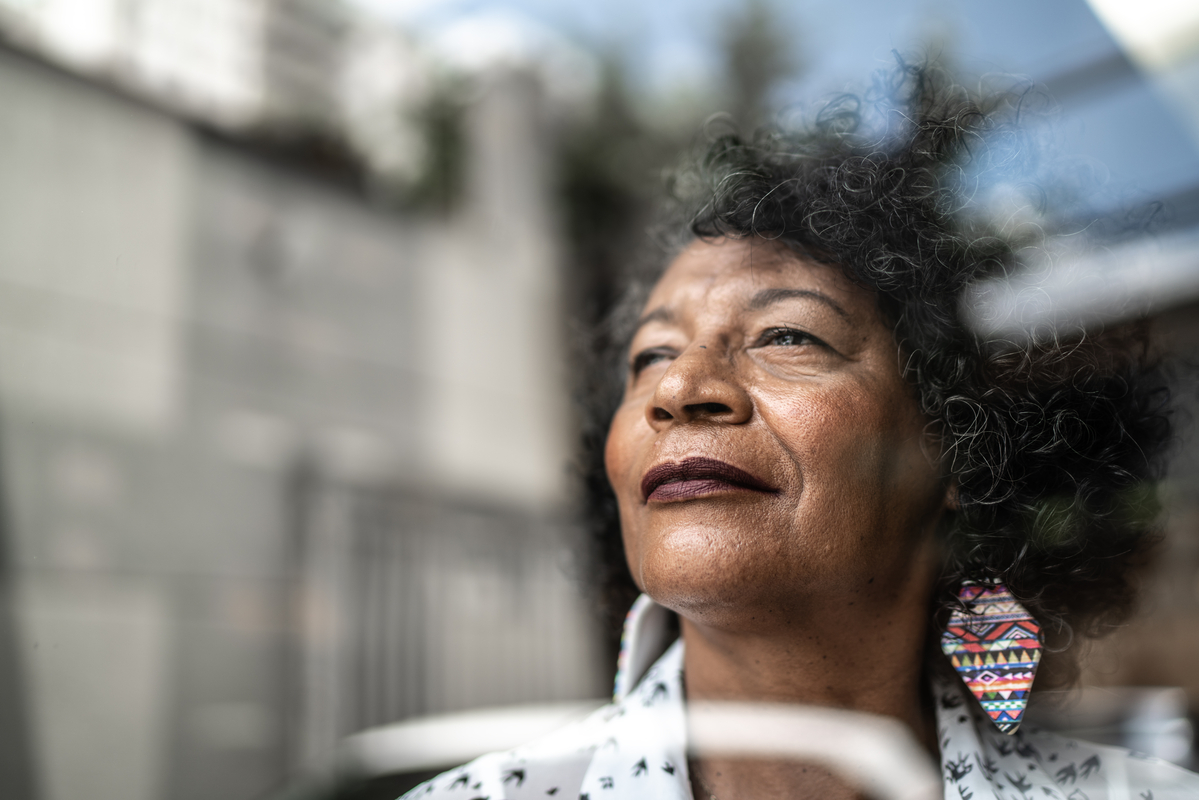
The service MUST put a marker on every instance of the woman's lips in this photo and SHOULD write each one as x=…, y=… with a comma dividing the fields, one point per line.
x=695, y=477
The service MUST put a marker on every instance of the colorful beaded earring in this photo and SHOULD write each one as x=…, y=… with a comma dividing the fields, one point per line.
x=995, y=646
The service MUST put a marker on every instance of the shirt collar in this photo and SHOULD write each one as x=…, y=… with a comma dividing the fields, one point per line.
x=976, y=759
x=645, y=638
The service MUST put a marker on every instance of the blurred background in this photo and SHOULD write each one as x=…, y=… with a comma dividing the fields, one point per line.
x=287, y=296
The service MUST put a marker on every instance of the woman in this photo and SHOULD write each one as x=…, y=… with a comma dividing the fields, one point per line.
x=824, y=474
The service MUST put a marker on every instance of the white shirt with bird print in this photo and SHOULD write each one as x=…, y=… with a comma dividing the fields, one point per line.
x=635, y=747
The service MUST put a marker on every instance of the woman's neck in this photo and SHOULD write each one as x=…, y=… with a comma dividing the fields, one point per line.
x=874, y=669
x=862, y=660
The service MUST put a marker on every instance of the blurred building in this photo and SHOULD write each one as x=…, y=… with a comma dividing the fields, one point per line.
x=288, y=68
x=1152, y=62
x=278, y=464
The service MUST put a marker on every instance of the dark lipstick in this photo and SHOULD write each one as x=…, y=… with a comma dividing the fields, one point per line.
x=693, y=477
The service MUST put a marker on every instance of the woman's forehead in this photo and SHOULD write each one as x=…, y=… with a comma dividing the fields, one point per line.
x=734, y=270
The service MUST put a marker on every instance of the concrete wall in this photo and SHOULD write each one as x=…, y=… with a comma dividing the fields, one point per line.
x=278, y=465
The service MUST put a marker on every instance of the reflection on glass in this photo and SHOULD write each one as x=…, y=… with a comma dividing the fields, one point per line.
x=288, y=448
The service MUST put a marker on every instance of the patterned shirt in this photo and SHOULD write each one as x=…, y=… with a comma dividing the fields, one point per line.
x=635, y=748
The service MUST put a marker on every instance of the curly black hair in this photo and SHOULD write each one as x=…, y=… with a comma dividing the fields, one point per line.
x=1054, y=442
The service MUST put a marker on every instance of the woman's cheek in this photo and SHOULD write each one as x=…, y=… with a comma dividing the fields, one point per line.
x=617, y=455
x=620, y=464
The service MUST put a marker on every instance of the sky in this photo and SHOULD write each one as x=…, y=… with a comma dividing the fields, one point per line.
x=1126, y=126
x=835, y=36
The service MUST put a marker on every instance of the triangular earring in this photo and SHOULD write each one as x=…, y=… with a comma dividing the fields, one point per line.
x=995, y=647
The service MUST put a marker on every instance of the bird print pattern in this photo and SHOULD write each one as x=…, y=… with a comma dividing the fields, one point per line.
x=635, y=749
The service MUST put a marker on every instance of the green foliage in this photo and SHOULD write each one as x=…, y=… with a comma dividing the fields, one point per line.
x=611, y=166
x=439, y=185
x=757, y=58
x=1062, y=523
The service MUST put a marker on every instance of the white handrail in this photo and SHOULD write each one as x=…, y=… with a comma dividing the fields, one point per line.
x=875, y=754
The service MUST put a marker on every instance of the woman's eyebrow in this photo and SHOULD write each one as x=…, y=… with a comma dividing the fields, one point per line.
x=659, y=314
x=769, y=296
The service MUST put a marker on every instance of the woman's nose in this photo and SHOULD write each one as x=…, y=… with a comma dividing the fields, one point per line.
x=700, y=384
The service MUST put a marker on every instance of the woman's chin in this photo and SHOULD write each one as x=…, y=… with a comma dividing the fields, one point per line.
x=711, y=590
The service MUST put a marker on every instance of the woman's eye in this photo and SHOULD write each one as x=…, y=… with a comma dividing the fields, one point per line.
x=651, y=356
x=786, y=337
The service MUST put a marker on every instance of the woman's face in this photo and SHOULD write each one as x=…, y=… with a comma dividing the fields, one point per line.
x=767, y=454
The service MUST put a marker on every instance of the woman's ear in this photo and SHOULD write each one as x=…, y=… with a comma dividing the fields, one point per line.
x=951, y=497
